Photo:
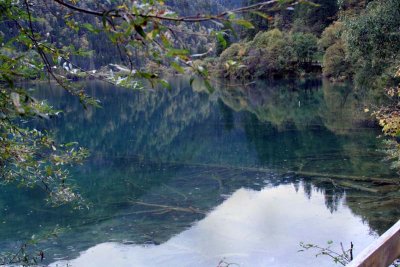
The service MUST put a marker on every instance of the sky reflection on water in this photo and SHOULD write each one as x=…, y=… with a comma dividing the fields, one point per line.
x=250, y=228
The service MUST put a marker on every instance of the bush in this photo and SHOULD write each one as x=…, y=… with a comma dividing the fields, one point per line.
x=233, y=52
x=230, y=59
x=373, y=40
x=270, y=39
x=335, y=64
x=304, y=46
x=330, y=35
x=270, y=54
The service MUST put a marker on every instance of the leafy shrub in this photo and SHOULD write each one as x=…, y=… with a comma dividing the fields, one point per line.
x=330, y=35
x=373, y=40
x=270, y=39
x=270, y=54
x=335, y=64
x=305, y=46
x=233, y=52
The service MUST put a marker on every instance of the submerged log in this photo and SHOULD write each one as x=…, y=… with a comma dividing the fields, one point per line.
x=166, y=208
x=358, y=187
x=349, y=177
x=385, y=203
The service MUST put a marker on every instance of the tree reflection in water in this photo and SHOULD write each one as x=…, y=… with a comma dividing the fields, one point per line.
x=188, y=148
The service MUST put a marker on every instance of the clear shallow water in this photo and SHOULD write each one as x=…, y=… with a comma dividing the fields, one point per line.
x=231, y=153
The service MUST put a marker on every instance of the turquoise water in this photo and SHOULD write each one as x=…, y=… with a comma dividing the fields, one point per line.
x=167, y=167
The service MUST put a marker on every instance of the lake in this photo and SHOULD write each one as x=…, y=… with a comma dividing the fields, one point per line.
x=186, y=177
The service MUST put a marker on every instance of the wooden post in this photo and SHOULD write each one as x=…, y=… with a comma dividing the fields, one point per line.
x=383, y=252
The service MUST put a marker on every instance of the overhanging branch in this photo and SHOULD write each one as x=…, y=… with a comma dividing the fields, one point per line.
x=201, y=18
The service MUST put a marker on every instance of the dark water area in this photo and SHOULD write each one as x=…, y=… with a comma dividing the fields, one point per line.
x=269, y=160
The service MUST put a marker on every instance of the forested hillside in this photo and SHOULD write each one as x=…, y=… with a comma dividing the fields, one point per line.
x=349, y=39
x=95, y=47
x=335, y=38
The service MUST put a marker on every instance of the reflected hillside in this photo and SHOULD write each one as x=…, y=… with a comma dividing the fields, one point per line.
x=181, y=125
x=343, y=109
x=145, y=123
x=282, y=104
x=301, y=104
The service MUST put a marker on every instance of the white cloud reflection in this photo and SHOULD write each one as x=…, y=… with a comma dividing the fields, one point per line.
x=251, y=228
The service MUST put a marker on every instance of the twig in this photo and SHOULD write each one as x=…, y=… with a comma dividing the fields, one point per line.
x=170, y=208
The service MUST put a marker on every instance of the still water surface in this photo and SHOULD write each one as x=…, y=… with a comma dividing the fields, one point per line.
x=189, y=178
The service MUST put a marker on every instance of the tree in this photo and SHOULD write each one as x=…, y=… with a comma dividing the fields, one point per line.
x=305, y=46
x=335, y=64
x=372, y=41
x=389, y=119
x=314, y=19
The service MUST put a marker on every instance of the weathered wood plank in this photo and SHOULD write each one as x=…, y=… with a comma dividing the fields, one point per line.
x=383, y=252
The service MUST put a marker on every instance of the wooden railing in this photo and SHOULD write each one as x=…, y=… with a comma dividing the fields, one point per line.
x=383, y=252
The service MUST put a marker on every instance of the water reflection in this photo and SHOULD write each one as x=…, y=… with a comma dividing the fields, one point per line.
x=250, y=228
x=187, y=148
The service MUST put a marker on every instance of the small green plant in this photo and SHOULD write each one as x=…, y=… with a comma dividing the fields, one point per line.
x=343, y=257
x=29, y=252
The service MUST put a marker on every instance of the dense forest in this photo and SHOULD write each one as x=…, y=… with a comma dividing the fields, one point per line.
x=355, y=40
x=144, y=45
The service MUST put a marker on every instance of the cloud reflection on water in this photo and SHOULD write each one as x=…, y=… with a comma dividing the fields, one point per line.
x=251, y=228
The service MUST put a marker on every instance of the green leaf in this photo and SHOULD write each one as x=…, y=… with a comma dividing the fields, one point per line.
x=177, y=52
x=165, y=84
x=245, y=23
x=304, y=2
x=90, y=27
x=71, y=144
x=221, y=39
x=261, y=14
x=231, y=15
x=147, y=75
x=209, y=87
x=177, y=67
x=165, y=41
